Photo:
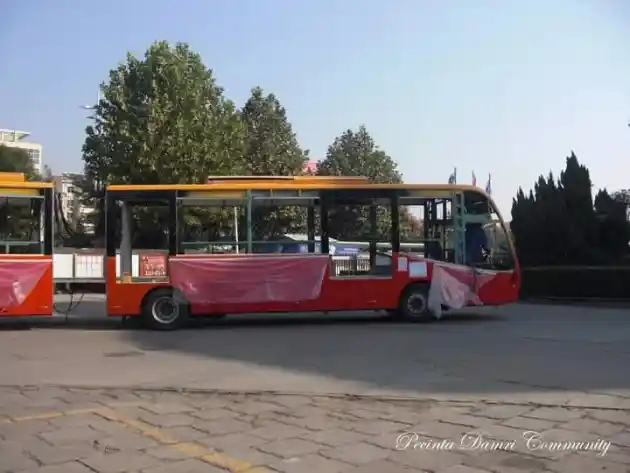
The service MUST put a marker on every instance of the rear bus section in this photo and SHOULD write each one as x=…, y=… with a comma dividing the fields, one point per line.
x=245, y=245
x=26, y=247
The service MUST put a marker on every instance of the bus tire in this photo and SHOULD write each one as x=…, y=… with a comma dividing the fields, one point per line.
x=165, y=309
x=413, y=305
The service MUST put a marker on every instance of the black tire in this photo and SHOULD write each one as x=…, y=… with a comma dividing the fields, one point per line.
x=165, y=309
x=414, y=304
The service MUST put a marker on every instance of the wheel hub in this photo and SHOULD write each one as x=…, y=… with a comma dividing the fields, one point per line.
x=165, y=310
x=417, y=304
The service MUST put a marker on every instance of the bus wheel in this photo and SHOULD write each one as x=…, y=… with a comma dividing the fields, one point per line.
x=164, y=309
x=414, y=303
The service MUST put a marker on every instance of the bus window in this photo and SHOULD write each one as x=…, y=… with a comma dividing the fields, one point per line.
x=21, y=229
x=362, y=230
x=498, y=252
x=426, y=227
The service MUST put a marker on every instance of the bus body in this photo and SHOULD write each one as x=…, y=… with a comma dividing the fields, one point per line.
x=177, y=281
x=26, y=246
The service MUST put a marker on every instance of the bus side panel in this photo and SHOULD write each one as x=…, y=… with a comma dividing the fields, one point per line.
x=26, y=286
x=503, y=288
x=272, y=283
x=124, y=299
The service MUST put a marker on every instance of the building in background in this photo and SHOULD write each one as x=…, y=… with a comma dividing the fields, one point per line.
x=14, y=139
x=310, y=167
x=74, y=212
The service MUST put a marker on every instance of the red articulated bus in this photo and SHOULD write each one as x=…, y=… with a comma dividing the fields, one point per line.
x=225, y=249
x=26, y=246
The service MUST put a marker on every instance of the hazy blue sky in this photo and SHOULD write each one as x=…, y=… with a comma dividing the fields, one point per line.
x=502, y=87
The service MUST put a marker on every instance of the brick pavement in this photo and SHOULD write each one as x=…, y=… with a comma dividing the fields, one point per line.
x=65, y=430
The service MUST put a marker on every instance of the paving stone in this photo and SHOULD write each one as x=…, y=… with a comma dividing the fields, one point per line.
x=383, y=466
x=377, y=427
x=310, y=410
x=164, y=452
x=432, y=460
x=71, y=435
x=214, y=414
x=444, y=411
x=581, y=463
x=70, y=467
x=253, y=456
x=614, y=454
x=440, y=430
x=121, y=462
x=598, y=401
x=222, y=426
x=336, y=437
x=605, y=429
x=613, y=416
x=310, y=463
x=89, y=420
x=506, y=462
x=49, y=455
x=185, y=466
x=276, y=430
x=621, y=439
x=221, y=442
x=502, y=412
x=357, y=453
x=559, y=414
x=167, y=420
x=292, y=402
x=462, y=469
x=317, y=422
x=288, y=448
x=471, y=421
x=171, y=408
x=529, y=423
x=208, y=402
x=14, y=460
x=183, y=434
x=254, y=407
x=128, y=441
x=25, y=428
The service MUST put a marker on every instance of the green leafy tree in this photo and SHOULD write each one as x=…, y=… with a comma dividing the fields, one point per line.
x=161, y=119
x=17, y=160
x=17, y=222
x=355, y=153
x=556, y=223
x=271, y=149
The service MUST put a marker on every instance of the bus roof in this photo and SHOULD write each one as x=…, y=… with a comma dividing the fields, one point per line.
x=303, y=183
x=16, y=181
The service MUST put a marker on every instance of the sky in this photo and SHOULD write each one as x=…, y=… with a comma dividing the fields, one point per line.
x=504, y=87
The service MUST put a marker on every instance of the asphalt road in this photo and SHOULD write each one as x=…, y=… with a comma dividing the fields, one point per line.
x=535, y=351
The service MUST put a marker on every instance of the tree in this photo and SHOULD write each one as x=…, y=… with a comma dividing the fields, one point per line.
x=354, y=153
x=556, y=224
x=613, y=226
x=271, y=149
x=161, y=119
x=17, y=160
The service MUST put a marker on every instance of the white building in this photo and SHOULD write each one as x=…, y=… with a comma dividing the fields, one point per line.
x=13, y=138
x=71, y=206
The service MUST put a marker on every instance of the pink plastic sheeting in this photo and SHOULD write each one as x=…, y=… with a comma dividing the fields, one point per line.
x=18, y=278
x=455, y=286
x=249, y=279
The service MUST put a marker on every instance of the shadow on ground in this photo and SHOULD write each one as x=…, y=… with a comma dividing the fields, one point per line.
x=522, y=348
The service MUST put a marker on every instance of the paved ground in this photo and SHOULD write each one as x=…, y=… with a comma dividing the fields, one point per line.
x=473, y=385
